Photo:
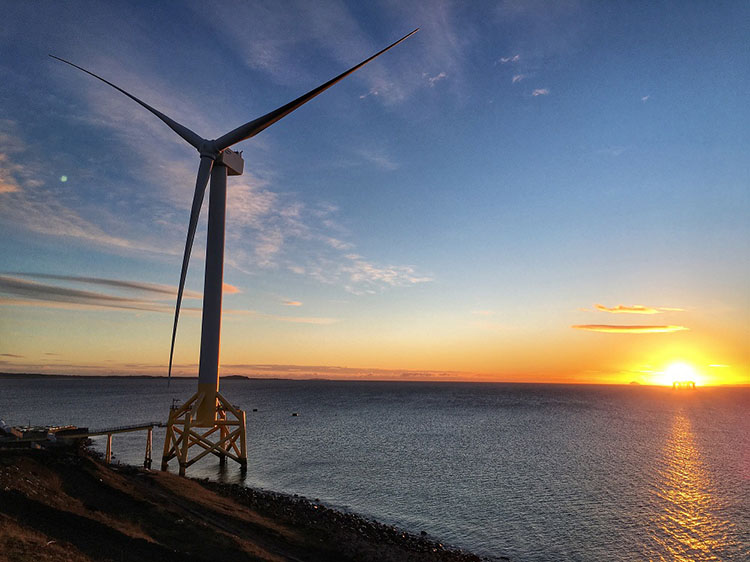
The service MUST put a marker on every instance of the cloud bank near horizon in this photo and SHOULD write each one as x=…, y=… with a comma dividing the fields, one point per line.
x=635, y=309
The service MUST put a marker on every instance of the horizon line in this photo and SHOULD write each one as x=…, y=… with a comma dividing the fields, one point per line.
x=359, y=379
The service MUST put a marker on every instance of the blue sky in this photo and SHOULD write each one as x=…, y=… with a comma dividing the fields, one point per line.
x=455, y=206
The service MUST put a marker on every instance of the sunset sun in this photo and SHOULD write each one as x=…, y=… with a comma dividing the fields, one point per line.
x=678, y=373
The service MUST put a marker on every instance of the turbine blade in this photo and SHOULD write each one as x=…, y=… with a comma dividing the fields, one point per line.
x=254, y=127
x=204, y=172
x=188, y=135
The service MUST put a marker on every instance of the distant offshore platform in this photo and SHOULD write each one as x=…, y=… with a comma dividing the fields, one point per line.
x=683, y=385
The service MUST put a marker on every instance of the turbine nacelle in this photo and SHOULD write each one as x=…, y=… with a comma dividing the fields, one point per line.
x=232, y=160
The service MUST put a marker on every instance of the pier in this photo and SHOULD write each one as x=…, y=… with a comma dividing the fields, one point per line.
x=110, y=431
x=59, y=434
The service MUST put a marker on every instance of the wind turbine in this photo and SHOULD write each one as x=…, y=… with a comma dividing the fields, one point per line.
x=207, y=408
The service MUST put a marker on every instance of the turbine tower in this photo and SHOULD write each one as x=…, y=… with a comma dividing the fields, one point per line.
x=196, y=422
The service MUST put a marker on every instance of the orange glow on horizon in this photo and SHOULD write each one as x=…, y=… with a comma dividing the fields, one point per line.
x=682, y=372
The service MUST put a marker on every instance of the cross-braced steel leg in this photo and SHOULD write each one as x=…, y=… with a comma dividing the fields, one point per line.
x=184, y=433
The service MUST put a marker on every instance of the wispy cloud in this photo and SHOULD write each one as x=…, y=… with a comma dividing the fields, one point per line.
x=379, y=158
x=550, y=28
x=512, y=58
x=644, y=99
x=12, y=173
x=610, y=329
x=370, y=92
x=264, y=229
x=252, y=202
x=431, y=80
x=230, y=289
x=334, y=242
x=540, y=92
x=8, y=182
x=53, y=218
x=310, y=242
x=635, y=309
x=34, y=292
x=51, y=296
x=273, y=42
x=156, y=291
x=304, y=238
x=358, y=275
x=613, y=150
x=146, y=206
x=268, y=39
x=154, y=288
x=291, y=303
x=31, y=202
x=365, y=277
x=443, y=45
x=517, y=78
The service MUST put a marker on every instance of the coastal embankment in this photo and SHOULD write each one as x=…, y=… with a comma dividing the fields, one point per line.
x=58, y=505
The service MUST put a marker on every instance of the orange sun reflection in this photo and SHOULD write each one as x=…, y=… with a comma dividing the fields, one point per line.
x=689, y=529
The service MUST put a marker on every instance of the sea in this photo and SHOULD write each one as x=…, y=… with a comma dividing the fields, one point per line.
x=531, y=472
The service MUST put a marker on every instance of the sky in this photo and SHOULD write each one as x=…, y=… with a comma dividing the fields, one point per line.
x=522, y=191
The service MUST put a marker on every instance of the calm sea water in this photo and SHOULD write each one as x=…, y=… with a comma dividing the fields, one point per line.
x=533, y=472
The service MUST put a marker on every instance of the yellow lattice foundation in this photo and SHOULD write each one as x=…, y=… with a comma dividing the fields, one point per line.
x=185, y=430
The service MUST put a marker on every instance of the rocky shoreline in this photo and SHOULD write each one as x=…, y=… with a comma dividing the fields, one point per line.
x=65, y=506
x=357, y=537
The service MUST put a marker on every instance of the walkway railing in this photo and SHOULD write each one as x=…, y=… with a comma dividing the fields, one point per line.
x=109, y=431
